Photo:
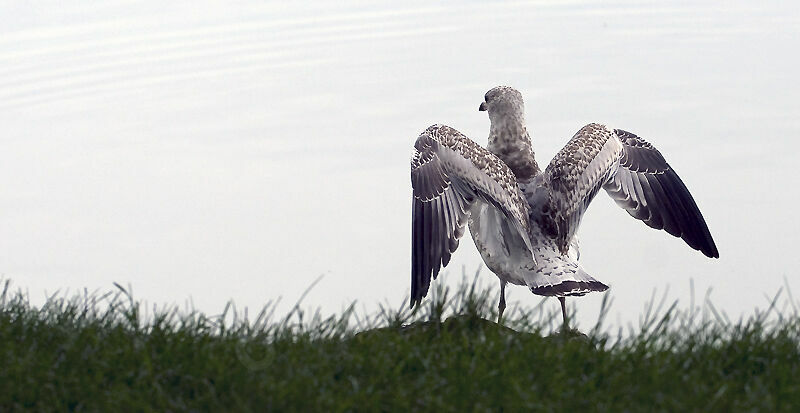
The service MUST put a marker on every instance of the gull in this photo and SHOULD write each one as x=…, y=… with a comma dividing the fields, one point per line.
x=524, y=219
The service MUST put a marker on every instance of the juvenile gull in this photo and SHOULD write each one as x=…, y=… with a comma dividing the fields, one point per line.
x=523, y=220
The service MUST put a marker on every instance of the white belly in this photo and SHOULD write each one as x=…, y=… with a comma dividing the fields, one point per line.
x=501, y=247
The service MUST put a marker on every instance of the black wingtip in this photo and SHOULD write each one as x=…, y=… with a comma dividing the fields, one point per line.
x=710, y=250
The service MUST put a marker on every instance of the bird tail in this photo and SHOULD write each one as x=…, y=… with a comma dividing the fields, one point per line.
x=561, y=276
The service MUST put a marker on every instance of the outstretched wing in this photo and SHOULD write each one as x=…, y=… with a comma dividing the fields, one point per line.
x=650, y=190
x=450, y=174
x=636, y=176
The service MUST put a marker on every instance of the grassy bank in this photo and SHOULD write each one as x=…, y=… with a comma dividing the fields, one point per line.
x=102, y=353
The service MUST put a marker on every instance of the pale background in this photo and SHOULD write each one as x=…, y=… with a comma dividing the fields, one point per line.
x=211, y=152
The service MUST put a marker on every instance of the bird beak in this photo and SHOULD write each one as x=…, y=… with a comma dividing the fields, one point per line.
x=482, y=107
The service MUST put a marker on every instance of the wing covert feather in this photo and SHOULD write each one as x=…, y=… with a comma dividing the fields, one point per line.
x=573, y=178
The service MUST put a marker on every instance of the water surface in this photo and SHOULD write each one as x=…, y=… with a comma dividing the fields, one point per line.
x=239, y=151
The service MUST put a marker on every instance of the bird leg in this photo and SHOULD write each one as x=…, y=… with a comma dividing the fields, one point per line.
x=564, y=311
x=502, y=305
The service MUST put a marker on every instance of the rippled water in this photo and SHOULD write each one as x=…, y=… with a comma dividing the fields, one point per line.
x=239, y=151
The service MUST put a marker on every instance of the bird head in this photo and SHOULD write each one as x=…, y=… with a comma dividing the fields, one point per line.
x=501, y=102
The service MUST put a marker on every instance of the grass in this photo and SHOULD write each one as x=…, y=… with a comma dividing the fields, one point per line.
x=94, y=352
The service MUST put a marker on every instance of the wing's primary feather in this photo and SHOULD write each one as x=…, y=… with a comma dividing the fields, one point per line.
x=667, y=204
x=450, y=174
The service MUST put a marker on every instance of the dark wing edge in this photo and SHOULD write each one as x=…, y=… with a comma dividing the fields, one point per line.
x=446, y=183
x=651, y=191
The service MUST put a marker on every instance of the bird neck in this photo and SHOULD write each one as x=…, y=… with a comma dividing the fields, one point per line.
x=510, y=141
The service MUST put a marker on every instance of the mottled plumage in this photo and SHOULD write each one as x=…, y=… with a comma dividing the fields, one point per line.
x=573, y=178
x=523, y=220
